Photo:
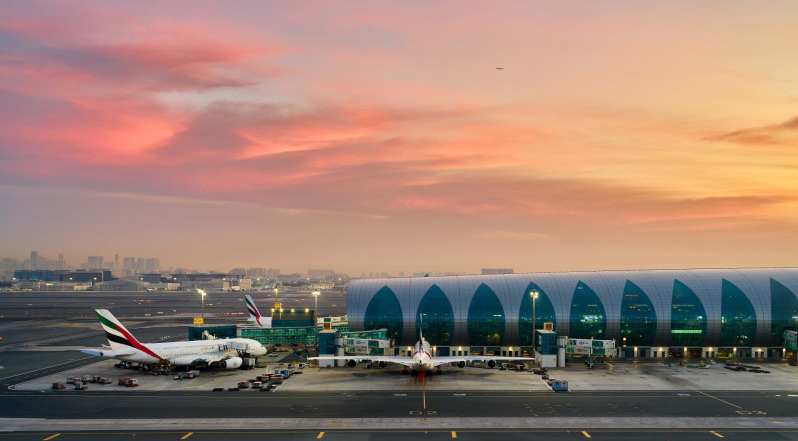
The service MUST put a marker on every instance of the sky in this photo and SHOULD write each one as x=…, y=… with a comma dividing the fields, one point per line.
x=406, y=136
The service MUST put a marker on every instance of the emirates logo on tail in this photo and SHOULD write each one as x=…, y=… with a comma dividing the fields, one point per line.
x=117, y=333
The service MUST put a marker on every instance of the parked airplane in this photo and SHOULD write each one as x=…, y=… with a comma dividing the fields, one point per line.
x=223, y=353
x=422, y=359
x=254, y=315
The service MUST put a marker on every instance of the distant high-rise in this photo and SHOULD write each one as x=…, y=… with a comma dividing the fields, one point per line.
x=129, y=263
x=140, y=264
x=152, y=264
x=60, y=264
x=95, y=262
x=256, y=272
x=34, y=260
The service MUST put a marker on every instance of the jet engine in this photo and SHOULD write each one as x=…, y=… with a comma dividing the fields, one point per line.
x=231, y=363
x=491, y=363
x=461, y=364
x=351, y=363
x=383, y=364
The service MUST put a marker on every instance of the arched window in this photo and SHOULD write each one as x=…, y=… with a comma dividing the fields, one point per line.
x=688, y=318
x=438, y=317
x=544, y=312
x=384, y=312
x=783, y=312
x=638, y=319
x=738, y=319
x=587, y=314
x=485, y=318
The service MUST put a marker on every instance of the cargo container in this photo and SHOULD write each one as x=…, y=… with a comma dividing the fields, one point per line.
x=559, y=386
x=59, y=385
x=128, y=382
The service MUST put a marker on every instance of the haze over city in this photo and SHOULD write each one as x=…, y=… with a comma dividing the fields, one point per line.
x=401, y=136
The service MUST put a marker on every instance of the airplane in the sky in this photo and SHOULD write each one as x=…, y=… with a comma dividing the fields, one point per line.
x=254, y=315
x=225, y=353
x=422, y=359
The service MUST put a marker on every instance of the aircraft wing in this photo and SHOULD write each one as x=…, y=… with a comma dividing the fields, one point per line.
x=437, y=361
x=405, y=361
x=107, y=352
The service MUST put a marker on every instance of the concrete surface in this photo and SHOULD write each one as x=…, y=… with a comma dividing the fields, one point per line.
x=619, y=376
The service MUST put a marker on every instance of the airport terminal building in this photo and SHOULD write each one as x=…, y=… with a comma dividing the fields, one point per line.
x=658, y=313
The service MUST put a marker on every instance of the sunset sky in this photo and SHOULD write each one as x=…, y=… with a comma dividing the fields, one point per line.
x=380, y=135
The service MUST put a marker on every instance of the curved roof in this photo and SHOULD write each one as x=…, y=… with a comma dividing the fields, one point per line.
x=658, y=286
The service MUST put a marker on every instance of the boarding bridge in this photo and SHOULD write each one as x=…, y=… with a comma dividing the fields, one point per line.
x=590, y=347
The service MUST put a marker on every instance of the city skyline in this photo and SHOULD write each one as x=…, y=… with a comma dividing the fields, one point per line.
x=385, y=137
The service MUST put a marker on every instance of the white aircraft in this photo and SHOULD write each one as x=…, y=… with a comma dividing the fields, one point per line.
x=254, y=315
x=421, y=360
x=223, y=353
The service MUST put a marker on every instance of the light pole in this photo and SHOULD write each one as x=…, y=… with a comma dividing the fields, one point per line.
x=275, y=303
x=202, y=295
x=315, y=315
x=534, y=294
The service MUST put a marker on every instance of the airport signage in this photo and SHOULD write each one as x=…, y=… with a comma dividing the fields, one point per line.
x=589, y=343
x=589, y=351
x=198, y=320
x=278, y=305
x=791, y=340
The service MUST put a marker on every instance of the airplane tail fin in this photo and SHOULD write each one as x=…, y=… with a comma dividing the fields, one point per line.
x=254, y=314
x=118, y=336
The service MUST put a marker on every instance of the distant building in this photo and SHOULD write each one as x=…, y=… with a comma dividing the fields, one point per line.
x=255, y=273
x=34, y=260
x=95, y=262
x=152, y=265
x=64, y=276
x=320, y=273
x=496, y=271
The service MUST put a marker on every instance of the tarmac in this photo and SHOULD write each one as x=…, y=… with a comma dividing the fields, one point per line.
x=609, y=377
x=220, y=424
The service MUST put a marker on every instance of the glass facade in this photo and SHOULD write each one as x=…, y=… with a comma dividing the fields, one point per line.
x=783, y=312
x=384, y=311
x=588, y=319
x=438, y=320
x=638, y=319
x=544, y=312
x=485, y=318
x=738, y=319
x=688, y=318
x=700, y=308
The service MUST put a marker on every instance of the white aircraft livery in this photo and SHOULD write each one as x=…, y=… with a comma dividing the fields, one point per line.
x=421, y=360
x=224, y=353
